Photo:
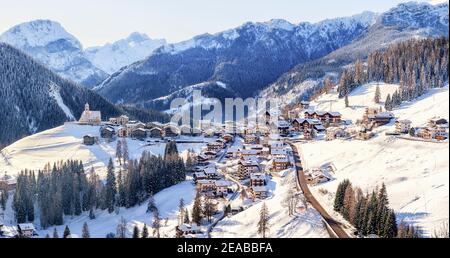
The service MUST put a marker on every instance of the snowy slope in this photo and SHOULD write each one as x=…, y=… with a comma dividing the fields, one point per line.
x=66, y=142
x=415, y=173
x=111, y=57
x=244, y=224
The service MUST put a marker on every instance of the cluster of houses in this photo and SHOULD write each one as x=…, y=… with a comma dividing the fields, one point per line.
x=436, y=129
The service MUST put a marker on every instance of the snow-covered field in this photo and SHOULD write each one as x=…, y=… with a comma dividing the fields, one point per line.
x=416, y=173
x=66, y=142
x=245, y=223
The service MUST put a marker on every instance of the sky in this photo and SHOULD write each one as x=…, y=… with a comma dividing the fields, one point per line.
x=96, y=22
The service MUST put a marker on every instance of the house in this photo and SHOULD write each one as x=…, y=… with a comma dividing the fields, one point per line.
x=281, y=127
x=433, y=122
x=328, y=118
x=425, y=133
x=381, y=118
x=171, y=130
x=155, y=132
x=88, y=139
x=315, y=176
x=90, y=117
x=139, y=133
x=123, y=132
x=309, y=134
x=214, y=146
x=202, y=160
x=278, y=152
x=257, y=179
x=222, y=187
x=259, y=191
x=249, y=153
x=121, y=120
x=251, y=139
x=280, y=162
x=206, y=185
x=211, y=173
x=107, y=132
x=26, y=229
x=228, y=137
x=275, y=144
x=336, y=132
x=364, y=134
x=7, y=183
x=402, y=126
x=245, y=168
x=233, y=152
x=199, y=176
x=304, y=104
x=186, y=230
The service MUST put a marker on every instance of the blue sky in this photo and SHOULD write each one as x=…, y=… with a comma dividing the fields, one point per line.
x=95, y=22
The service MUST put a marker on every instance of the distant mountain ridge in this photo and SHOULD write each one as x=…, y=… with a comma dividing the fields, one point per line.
x=245, y=59
x=49, y=43
x=111, y=57
x=403, y=22
x=35, y=99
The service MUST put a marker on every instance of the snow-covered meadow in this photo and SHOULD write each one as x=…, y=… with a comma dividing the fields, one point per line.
x=416, y=173
x=66, y=142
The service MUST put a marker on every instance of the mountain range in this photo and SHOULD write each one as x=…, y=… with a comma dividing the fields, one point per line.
x=270, y=59
x=49, y=43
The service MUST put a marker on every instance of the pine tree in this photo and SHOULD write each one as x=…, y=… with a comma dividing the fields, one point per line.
x=121, y=231
x=156, y=225
x=197, y=209
x=263, y=224
x=125, y=153
x=181, y=211
x=186, y=216
x=377, y=97
x=145, y=231
x=110, y=187
x=66, y=233
x=346, y=101
x=119, y=151
x=387, y=103
x=85, y=232
x=151, y=206
x=136, y=233
x=55, y=233
x=390, y=229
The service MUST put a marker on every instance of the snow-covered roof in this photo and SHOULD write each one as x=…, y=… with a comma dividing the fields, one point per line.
x=26, y=226
x=259, y=189
x=278, y=151
x=257, y=176
x=222, y=183
x=210, y=170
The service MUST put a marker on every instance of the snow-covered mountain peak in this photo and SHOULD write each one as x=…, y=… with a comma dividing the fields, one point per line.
x=417, y=14
x=113, y=56
x=38, y=33
x=280, y=24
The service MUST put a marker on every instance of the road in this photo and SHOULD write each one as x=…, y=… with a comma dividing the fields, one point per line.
x=233, y=197
x=335, y=225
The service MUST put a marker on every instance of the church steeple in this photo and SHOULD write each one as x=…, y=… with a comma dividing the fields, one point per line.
x=86, y=107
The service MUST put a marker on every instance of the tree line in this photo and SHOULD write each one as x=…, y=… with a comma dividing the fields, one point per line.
x=417, y=65
x=368, y=213
x=65, y=189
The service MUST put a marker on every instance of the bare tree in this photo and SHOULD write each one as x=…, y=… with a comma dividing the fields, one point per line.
x=442, y=231
x=121, y=231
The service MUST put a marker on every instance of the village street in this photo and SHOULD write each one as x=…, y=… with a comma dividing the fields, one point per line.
x=336, y=227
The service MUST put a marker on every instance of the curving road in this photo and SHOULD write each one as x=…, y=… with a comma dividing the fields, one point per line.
x=335, y=225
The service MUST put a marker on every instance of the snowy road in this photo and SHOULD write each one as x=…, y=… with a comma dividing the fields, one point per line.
x=335, y=225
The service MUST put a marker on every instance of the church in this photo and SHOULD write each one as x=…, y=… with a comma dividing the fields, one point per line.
x=90, y=117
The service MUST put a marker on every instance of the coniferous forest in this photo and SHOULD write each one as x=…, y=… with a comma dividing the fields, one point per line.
x=417, y=65
x=66, y=189
x=369, y=213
